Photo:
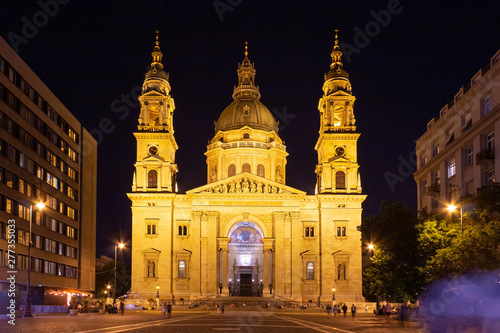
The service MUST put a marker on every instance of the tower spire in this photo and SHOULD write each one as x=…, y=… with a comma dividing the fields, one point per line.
x=246, y=79
x=157, y=55
x=336, y=55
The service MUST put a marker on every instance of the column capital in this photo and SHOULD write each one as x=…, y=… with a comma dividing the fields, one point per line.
x=268, y=243
x=223, y=243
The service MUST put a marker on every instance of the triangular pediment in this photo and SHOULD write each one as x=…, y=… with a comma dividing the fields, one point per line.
x=153, y=159
x=246, y=183
x=153, y=93
x=339, y=159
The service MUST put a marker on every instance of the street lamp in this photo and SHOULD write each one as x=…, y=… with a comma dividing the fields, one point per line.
x=28, y=313
x=121, y=245
x=333, y=296
x=451, y=209
x=370, y=246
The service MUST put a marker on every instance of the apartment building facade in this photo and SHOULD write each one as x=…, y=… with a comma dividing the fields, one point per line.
x=45, y=156
x=457, y=155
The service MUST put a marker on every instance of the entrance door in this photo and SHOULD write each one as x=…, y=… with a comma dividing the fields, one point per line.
x=245, y=284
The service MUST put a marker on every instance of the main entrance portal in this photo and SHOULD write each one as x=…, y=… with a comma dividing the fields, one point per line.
x=246, y=267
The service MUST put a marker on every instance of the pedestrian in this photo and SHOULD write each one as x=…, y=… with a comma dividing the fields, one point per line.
x=344, y=309
x=335, y=310
x=222, y=308
x=122, y=307
x=387, y=312
x=380, y=312
x=169, y=310
x=353, y=310
x=164, y=309
x=218, y=308
x=328, y=310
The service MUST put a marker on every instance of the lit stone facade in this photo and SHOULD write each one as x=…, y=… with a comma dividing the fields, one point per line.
x=456, y=155
x=246, y=233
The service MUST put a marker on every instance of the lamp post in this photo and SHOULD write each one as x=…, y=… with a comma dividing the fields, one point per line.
x=452, y=208
x=121, y=245
x=28, y=313
x=333, y=296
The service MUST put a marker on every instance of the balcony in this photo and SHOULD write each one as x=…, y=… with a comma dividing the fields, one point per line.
x=435, y=188
x=485, y=158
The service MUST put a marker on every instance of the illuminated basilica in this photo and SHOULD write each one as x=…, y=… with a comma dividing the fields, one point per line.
x=246, y=233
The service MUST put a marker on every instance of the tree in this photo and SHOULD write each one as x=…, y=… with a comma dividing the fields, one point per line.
x=107, y=276
x=392, y=272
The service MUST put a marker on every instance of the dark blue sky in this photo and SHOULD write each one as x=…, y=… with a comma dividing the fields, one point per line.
x=92, y=54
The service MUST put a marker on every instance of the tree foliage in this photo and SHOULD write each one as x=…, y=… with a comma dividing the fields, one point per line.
x=410, y=253
x=106, y=276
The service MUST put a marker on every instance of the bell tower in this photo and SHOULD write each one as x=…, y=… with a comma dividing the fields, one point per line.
x=337, y=169
x=155, y=168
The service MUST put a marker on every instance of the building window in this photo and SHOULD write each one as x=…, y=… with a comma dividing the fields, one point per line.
x=182, y=269
x=490, y=177
x=182, y=230
x=487, y=104
x=261, y=171
x=341, y=231
x=246, y=136
x=310, y=271
x=435, y=149
x=451, y=168
x=340, y=180
x=152, y=179
x=231, y=170
x=309, y=232
x=469, y=158
x=245, y=168
x=490, y=141
x=151, y=229
x=423, y=159
x=466, y=122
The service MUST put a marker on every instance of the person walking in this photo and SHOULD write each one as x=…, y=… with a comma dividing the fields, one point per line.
x=164, y=309
x=328, y=310
x=344, y=308
x=387, y=312
x=353, y=311
x=122, y=307
x=335, y=310
x=222, y=308
x=169, y=310
x=218, y=308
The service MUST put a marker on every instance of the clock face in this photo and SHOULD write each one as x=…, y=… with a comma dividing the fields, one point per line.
x=153, y=150
x=340, y=151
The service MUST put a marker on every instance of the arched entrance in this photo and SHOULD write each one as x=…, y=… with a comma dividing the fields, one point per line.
x=245, y=260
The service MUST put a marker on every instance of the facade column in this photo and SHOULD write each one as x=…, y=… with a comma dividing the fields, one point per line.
x=223, y=244
x=268, y=245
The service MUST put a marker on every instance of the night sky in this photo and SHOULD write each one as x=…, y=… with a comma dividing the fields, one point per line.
x=407, y=66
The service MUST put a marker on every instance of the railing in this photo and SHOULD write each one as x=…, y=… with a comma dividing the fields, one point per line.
x=485, y=154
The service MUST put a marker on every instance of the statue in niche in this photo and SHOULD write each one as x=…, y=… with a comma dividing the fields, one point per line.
x=151, y=268
x=232, y=187
x=259, y=188
x=238, y=187
x=341, y=271
x=279, y=176
x=213, y=174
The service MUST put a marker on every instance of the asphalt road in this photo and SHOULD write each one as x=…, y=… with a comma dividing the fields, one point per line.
x=250, y=321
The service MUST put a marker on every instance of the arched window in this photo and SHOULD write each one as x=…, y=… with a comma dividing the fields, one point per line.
x=261, y=171
x=340, y=180
x=245, y=167
x=182, y=269
x=231, y=170
x=310, y=271
x=152, y=178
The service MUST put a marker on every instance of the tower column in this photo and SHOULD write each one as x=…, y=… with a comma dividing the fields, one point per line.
x=268, y=245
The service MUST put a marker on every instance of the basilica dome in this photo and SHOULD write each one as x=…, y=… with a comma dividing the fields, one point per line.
x=246, y=109
x=246, y=112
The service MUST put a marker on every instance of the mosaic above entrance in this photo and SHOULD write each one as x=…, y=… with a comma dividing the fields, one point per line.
x=245, y=235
